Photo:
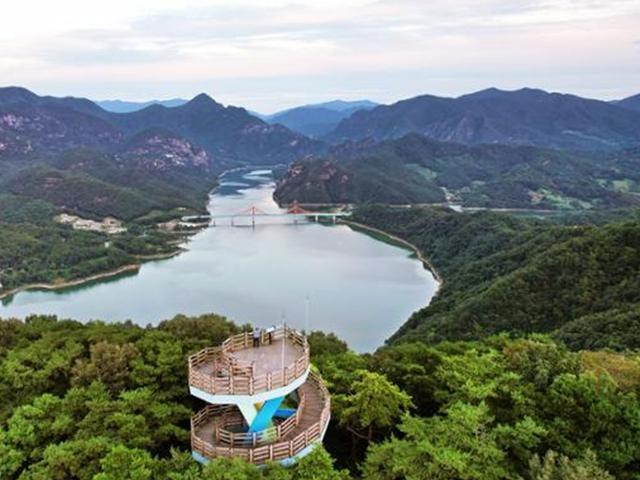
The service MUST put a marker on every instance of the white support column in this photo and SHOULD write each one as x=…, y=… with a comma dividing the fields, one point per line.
x=248, y=410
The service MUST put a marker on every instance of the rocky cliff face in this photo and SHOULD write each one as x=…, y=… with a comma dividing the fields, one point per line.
x=163, y=151
x=47, y=130
x=320, y=181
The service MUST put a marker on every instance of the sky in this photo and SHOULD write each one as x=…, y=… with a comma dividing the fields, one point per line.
x=267, y=55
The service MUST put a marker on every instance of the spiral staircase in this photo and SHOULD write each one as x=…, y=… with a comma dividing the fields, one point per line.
x=263, y=402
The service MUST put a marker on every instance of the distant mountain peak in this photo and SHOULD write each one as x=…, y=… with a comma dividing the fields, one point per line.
x=50, y=125
x=202, y=99
x=340, y=105
x=526, y=116
x=16, y=89
x=486, y=92
x=13, y=94
x=125, y=106
x=318, y=119
x=494, y=92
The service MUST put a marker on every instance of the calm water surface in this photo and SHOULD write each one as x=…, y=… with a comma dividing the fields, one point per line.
x=349, y=283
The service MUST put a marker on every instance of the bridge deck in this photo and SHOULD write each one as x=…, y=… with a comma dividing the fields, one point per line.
x=281, y=215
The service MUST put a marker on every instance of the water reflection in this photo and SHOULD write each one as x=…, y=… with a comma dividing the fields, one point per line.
x=357, y=287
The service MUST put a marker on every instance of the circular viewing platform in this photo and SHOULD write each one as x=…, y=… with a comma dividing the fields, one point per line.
x=239, y=368
x=219, y=431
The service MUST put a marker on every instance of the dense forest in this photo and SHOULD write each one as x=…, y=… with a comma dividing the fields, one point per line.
x=63, y=156
x=415, y=169
x=575, y=278
x=35, y=249
x=110, y=401
x=94, y=185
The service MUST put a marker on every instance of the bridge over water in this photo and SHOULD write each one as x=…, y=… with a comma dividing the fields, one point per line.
x=295, y=212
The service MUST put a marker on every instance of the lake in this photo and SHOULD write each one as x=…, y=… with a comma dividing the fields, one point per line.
x=311, y=276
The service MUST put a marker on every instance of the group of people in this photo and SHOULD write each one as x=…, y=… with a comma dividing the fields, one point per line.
x=258, y=335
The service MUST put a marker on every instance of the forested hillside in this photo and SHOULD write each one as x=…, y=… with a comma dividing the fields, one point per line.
x=501, y=273
x=82, y=164
x=415, y=169
x=65, y=155
x=519, y=117
x=33, y=249
x=86, y=160
x=111, y=402
x=230, y=134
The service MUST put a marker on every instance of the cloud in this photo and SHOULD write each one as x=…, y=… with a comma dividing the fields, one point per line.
x=252, y=42
x=100, y=47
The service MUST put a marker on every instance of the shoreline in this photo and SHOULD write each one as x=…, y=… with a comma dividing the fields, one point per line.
x=160, y=256
x=71, y=283
x=423, y=259
x=132, y=267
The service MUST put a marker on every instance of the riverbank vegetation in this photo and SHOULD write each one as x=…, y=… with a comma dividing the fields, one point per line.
x=576, y=279
x=68, y=161
x=36, y=250
x=111, y=401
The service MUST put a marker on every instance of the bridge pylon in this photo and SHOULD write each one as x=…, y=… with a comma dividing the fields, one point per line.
x=296, y=209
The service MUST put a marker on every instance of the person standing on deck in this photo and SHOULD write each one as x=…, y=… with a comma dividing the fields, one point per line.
x=256, y=337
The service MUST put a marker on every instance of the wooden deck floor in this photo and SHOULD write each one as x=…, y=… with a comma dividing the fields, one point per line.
x=267, y=358
x=312, y=408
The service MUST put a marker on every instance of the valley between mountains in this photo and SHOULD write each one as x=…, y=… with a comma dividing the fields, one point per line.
x=519, y=361
x=147, y=165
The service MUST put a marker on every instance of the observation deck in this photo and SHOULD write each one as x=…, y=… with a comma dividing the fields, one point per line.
x=245, y=387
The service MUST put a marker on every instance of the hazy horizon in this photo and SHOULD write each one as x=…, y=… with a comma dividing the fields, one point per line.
x=321, y=101
x=291, y=52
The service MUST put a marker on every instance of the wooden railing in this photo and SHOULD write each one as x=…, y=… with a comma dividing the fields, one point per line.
x=227, y=375
x=260, y=454
x=243, y=439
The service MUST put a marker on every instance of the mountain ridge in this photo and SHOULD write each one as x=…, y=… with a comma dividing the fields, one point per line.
x=415, y=169
x=315, y=120
x=632, y=102
x=125, y=106
x=230, y=134
x=520, y=117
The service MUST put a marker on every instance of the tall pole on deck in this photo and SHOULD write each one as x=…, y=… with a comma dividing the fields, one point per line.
x=283, y=347
x=306, y=315
x=284, y=338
